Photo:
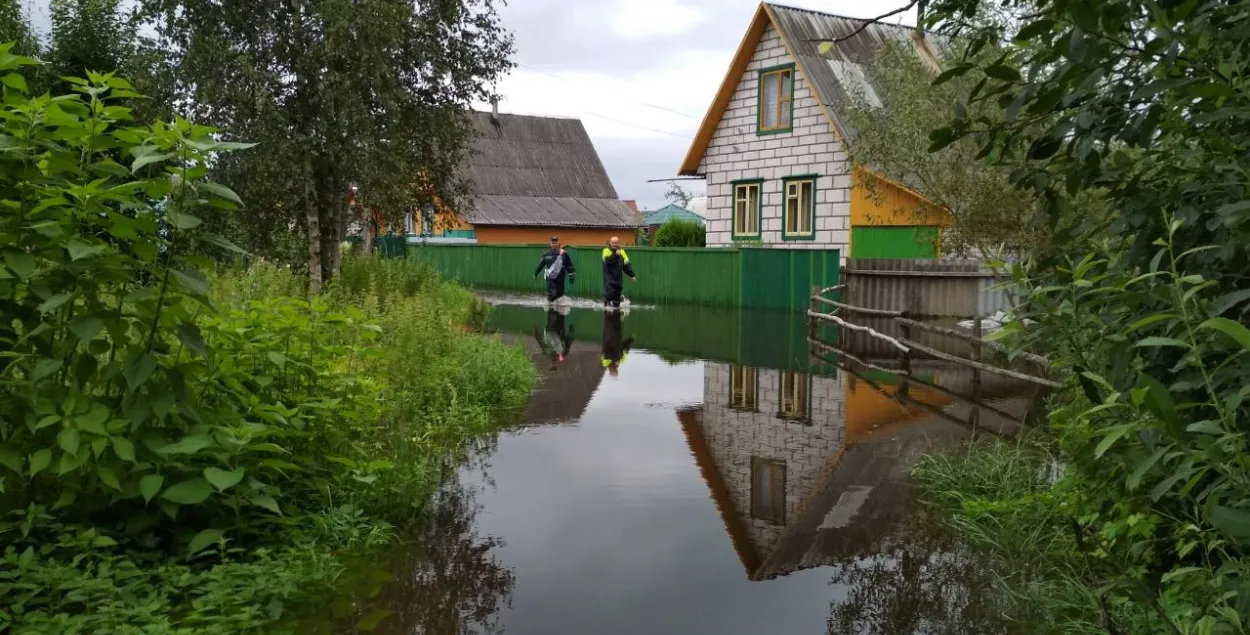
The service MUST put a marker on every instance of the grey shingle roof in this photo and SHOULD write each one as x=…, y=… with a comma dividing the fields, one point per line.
x=540, y=171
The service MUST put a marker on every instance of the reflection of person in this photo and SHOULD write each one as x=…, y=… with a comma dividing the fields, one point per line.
x=614, y=350
x=555, y=265
x=556, y=339
x=615, y=265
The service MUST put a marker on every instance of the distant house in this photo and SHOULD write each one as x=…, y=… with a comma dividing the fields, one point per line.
x=535, y=177
x=773, y=144
x=653, y=220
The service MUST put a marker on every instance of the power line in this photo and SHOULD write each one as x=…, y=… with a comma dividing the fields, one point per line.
x=639, y=126
x=633, y=99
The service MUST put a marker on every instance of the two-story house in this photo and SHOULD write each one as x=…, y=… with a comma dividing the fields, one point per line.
x=772, y=146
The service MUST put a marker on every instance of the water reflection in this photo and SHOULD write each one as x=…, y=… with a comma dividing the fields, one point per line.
x=444, y=579
x=705, y=496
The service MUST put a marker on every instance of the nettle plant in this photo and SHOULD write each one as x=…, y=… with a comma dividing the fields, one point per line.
x=126, y=399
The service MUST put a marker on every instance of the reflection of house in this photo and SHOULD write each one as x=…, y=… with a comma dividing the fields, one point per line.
x=806, y=469
x=563, y=392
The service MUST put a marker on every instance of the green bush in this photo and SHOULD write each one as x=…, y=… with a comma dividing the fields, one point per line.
x=182, y=452
x=681, y=233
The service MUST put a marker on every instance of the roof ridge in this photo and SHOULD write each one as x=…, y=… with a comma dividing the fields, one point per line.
x=513, y=114
x=839, y=15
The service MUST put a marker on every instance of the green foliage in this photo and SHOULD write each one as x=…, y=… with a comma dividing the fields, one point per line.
x=371, y=94
x=1145, y=310
x=15, y=28
x=681, y=233
x=203, y=444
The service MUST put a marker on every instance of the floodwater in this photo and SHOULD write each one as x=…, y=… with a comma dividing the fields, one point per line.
x=696, y=471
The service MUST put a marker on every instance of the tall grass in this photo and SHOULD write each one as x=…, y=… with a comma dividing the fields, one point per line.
x=1003, y=499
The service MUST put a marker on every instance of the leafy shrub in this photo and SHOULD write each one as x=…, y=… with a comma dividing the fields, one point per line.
x=202, y=445
x=680, y=233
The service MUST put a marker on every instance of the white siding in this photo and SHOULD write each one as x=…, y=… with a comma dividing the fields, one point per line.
x=737, y=152
x=734, y=438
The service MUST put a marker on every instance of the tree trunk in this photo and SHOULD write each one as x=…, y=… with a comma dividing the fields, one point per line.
x=313, y=220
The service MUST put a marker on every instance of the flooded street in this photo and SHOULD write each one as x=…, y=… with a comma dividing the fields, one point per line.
x=659, y=491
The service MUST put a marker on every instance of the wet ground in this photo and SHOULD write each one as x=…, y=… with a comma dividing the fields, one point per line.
x=696, y=471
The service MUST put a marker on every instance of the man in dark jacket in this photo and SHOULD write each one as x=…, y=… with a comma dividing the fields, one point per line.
x=555, y=340
x=615, y=265
x=555, y=265
x=615, y=350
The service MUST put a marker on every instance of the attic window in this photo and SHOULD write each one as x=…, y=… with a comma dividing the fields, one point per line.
x=776, y=99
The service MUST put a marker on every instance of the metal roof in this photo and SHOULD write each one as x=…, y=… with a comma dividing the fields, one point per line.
x=540, y=171
x=550, y=211
x=839, y=75
x=670, y=212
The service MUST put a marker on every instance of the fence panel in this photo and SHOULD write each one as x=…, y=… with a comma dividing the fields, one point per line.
x=934, y=288
x=779, y=279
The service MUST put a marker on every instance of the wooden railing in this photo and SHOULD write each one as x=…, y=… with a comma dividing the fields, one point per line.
x=907, y=346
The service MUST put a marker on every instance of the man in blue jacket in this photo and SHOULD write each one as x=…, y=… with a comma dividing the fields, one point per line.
x=555, y=265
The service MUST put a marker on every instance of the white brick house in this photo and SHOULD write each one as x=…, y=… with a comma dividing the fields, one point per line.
x=773, y=148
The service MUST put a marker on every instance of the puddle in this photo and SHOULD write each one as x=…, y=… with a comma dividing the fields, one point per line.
x=728, y=484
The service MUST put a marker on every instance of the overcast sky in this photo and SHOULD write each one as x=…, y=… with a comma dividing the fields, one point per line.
x=618, y=59
x=627, y=68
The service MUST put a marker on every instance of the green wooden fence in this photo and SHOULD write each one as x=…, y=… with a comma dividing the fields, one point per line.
x=748, y=337
x=758, y=278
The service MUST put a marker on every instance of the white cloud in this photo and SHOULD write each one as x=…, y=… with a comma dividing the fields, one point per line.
x=617, y=107
x=644, y=19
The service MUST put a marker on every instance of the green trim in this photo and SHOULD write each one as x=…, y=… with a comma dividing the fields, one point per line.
x=755, y=400
x=759, y=210
x=807, y=415
x=759, y=101
x=799, y=178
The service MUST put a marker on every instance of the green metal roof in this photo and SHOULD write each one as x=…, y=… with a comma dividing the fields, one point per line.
x=670, y=212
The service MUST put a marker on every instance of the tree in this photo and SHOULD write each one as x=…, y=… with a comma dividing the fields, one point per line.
x=892, y=126
x=15, y=28
x=680, y=233
x=370, y=93
x=678, y=195
x=1145, y=310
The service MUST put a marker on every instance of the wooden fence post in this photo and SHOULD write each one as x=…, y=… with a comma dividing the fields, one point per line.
x=814, y=307
x=904, y=390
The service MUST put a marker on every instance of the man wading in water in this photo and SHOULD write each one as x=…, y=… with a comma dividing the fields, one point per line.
x=557, y=264
x=615, y=264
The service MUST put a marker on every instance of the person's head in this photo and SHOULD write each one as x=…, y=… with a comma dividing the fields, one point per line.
x=614, y=242
x=555, y=242
x=555, y=364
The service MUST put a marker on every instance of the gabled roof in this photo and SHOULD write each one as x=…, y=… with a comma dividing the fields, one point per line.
x=540, y=171
x=671, y=212
x=833, y=77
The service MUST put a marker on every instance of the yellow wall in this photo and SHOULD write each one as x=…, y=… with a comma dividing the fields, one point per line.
x=890, y=204
x=575, y=236
x=867, y=410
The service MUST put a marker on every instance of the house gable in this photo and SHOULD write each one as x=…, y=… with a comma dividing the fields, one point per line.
x=736, y=150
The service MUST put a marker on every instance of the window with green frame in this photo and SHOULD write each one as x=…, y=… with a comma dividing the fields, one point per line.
x=799, y=206
x=795, y=399
x=776, y=99
x=748, y=197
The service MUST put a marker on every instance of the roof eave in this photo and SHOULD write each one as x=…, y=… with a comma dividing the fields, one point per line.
x=716, y=111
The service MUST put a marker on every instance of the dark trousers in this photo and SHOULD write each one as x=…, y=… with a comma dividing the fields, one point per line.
x=555, y=288
x=612, y=294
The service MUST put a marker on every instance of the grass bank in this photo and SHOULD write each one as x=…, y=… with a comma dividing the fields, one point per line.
x=383, y=384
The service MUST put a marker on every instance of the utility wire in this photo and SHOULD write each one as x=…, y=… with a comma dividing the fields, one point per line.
x=635, y=100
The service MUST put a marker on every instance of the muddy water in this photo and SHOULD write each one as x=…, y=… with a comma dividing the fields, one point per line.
x=705, y=477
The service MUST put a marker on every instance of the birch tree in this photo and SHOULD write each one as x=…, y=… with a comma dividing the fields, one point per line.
x=338, y=93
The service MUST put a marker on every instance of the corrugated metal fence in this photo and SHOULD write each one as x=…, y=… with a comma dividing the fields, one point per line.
x=748, y=277
x=925, y=288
